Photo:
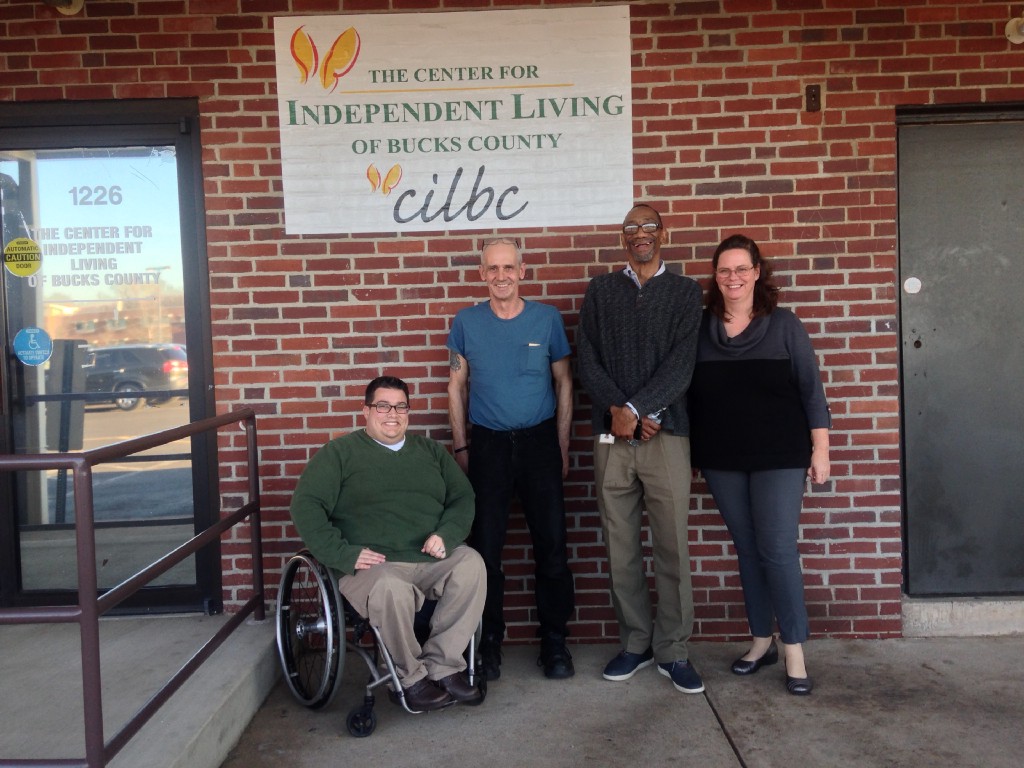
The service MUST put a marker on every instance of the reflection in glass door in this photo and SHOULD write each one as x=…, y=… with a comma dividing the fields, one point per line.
x=97, y=333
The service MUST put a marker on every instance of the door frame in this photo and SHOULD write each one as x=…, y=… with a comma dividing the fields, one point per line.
x=115, y=123
x=924, y=115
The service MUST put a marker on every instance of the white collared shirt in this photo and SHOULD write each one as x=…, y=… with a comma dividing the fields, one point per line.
x=632, y=275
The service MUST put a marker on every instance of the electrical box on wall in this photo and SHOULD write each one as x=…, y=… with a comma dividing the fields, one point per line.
x=813, y=93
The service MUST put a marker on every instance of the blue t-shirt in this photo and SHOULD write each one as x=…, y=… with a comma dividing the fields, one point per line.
x=510, y=361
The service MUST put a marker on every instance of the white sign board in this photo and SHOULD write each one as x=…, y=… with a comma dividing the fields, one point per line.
x=434, y=122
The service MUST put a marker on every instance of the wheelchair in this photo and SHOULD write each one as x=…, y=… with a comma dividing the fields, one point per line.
x=316, y=626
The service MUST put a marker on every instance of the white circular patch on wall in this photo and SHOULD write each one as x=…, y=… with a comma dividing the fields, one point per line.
x=912, y=285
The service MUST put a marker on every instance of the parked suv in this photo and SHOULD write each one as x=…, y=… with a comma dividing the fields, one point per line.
x=130, y=368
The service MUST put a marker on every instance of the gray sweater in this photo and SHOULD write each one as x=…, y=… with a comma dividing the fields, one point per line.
x=756, y=397
x=639, y=345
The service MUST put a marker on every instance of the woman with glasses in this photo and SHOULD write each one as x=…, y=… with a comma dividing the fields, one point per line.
x=759, y=429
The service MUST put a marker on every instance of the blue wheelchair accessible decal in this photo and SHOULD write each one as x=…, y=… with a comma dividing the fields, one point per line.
x=33, y=346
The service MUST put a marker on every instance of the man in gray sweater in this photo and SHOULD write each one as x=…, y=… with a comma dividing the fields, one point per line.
x=637, y=345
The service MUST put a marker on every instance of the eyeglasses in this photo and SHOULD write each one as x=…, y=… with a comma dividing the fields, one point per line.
x=740, y=271
x=502, y=241
x=650, y=228
x=382, y=407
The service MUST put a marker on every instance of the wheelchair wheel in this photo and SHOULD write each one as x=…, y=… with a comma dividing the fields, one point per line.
x=310, y=631
x=361, y=722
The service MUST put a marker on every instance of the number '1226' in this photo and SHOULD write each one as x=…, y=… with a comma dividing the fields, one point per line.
x=95, y=195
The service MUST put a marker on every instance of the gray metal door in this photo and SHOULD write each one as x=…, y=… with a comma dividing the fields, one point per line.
x=961, y=215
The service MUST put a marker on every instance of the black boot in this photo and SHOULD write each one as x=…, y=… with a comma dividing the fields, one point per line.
x=555, y=657
x=490, y=657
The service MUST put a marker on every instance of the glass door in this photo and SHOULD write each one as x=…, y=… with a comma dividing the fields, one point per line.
x=103, y=342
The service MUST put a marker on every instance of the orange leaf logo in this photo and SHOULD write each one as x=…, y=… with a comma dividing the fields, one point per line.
x=340, y=59
x=373, y=175
x=388, y=183
x=391, y=180
x=304, y=54
x=337, y=63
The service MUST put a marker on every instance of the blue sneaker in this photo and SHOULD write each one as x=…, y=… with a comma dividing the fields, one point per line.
x=683, y=676
x=626, y=664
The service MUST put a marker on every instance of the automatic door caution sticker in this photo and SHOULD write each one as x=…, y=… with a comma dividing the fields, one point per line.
x=22, y=257
x=33, y=346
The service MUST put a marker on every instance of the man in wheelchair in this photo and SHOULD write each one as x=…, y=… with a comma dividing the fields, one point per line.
x=391, y=511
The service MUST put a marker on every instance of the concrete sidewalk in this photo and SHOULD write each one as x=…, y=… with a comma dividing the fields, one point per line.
x=41, y=688
x=913, y=702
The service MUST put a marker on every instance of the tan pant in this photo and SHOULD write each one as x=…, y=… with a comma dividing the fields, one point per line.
x=389, y=595
x=654, y=475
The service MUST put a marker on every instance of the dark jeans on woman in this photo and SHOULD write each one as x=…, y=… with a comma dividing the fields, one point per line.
x=525, y=463
x=762, y=512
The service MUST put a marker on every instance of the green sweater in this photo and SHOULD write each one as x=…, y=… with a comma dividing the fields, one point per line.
x=356, y=493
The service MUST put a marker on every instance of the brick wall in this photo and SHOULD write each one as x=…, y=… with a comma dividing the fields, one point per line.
x=722, y=144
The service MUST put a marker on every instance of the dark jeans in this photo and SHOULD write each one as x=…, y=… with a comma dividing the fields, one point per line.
x=762, y=512
x=528, y=464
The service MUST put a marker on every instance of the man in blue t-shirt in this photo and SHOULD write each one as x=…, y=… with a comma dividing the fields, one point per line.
x=510, y=379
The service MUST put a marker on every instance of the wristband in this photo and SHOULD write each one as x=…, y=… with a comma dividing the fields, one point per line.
x=460, y=450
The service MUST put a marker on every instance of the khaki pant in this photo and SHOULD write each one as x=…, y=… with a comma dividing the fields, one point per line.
x=653, y=475
x=389, y=595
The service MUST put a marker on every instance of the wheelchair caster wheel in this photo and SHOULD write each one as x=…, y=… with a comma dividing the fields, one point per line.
x=361, y=722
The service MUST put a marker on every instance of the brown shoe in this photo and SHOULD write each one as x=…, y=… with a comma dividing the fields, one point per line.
x=424, y=696
x=459, y=688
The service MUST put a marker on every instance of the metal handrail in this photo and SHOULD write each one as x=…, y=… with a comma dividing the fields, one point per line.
x=101, y=397
x=90, y=607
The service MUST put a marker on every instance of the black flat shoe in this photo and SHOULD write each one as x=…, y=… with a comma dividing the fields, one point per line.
x=799, y=686
x=743, y=667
